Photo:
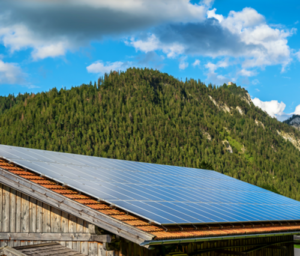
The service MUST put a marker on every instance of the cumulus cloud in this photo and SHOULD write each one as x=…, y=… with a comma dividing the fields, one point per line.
x=51, y=28
x=297, y=110
x=245, y=72
x=215, y=78
x=243, y=35
x=183, y=65
x=11, y=73
x=275, y=108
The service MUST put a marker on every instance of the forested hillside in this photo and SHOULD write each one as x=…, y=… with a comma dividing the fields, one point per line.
x=148, y=116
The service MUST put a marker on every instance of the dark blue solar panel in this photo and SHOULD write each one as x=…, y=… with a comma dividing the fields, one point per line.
x=160, y=193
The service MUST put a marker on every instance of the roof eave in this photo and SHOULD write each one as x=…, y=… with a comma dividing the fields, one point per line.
x=214, y=238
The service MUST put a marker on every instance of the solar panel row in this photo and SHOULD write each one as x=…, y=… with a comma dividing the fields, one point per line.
x=160, y=193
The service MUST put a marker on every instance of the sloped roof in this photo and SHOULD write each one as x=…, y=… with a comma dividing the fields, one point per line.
x=165, y=195
x=158, y=232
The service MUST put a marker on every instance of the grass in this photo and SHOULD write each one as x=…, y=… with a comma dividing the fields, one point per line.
x=297, y=246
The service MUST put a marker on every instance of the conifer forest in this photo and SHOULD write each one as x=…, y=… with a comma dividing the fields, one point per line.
x=148, y=116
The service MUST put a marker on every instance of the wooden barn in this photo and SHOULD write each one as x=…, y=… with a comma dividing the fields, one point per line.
x=64, y=204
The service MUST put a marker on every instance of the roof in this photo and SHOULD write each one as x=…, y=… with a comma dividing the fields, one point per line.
x=45, y=249
x=165, y=195
x=155, y=231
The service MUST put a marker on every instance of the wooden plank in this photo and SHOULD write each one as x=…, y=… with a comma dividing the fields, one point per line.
x=32, y=215
x=18, y=211
x=46, y=218
x=12, y=252
x=72, y=228
x=36, y=236
x=55, y=219
x=25, y=213
x=64, y=225
x=101, y=250
x=93, y=249
x=12, y=222
x=39, y=216
x=18, y=215
x=79, y=229
x=85, y=245
x=92, y=228
x=1, y=203
x=5, y=212
x=99, y=219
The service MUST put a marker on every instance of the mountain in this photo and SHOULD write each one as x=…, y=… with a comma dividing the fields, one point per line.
x=294, y=121
x=144, y=115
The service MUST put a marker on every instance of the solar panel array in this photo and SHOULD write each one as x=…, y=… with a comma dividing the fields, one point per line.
x=160, y=193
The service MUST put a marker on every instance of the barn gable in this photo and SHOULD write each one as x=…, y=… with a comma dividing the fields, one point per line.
x=25, y=220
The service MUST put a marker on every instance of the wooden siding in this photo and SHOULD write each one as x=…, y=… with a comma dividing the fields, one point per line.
x=21, y=213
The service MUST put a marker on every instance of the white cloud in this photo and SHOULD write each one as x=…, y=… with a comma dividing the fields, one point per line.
x=11, y=73
x=18, y=37
x=251, y=27
x=245, y=72
x=213, y=67
x=183, y=65
x=255, y=82
x=212, y=14
x=196, y=63
x=152, y=44
x=52, y=50
x=273, y=107
x=298, y=55
x=100, y=68
x=297, y=110
x=243, y=35
x=215, y=78
x=149, y=45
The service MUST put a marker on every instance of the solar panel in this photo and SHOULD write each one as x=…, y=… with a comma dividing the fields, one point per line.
x=160, y=193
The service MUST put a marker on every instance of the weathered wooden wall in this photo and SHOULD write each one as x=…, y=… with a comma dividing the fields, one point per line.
x=21, y=213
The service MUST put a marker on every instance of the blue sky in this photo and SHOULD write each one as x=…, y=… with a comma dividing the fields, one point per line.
x=46, y=44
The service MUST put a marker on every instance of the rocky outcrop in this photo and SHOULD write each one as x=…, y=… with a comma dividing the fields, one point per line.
x=239, y=109
x=221, y=106
x=259, y=123
x=291, y=138
x=206, y=135
x=228, y=147
x=247, y=98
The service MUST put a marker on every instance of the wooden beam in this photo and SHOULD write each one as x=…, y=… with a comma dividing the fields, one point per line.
x=82, y=237
x=8, y=251
x=81, y=211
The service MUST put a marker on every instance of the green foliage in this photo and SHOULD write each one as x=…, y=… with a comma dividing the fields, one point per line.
x=10, y=101
x=144, y=115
